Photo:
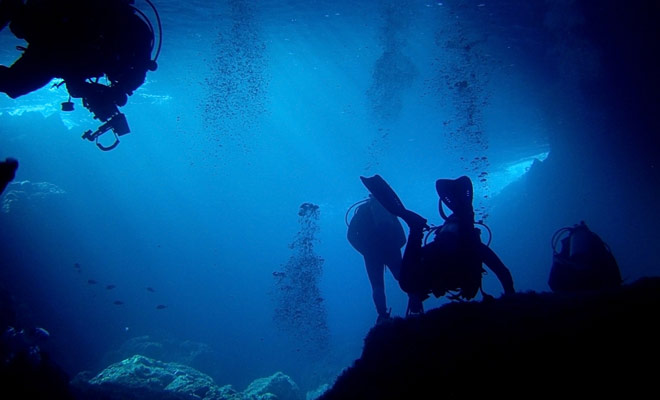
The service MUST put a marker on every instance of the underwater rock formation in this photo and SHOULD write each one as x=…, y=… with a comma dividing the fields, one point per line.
x=279, y=386
x=193, y=354
x=143, y=378
x=25, y=193
x=526, y=345
x=139, y=377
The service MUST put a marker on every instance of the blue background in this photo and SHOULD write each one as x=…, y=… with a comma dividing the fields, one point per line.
x=258, y=107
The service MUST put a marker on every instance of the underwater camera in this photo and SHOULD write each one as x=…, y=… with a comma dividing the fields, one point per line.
x=67, y=106
x=102, y=101
x=117, y=124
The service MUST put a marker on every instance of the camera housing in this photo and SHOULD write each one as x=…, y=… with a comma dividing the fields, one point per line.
x=119, y=126
x=67, y=106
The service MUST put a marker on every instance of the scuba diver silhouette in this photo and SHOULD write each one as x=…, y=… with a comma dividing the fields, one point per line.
x=584, y=262
x=80, y=42
x=452, y=262
x=378, y=235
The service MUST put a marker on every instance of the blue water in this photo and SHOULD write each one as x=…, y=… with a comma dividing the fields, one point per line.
x=258, y=107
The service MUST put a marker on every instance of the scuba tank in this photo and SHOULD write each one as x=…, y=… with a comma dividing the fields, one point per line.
x=373, y=228
x=353, y=208
x=584, y=262
x=460, y=271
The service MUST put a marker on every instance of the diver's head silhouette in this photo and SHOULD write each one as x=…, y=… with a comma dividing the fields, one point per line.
x=457, y=195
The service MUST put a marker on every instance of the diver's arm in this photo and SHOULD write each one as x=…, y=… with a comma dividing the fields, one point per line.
x=496, y=265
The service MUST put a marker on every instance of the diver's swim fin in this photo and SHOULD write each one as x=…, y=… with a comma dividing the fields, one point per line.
x=384, y=194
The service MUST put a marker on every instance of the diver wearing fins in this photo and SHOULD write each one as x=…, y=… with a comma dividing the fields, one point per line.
x=378, y=236
x=81, y=42
x=585, y=262
x=452, y=262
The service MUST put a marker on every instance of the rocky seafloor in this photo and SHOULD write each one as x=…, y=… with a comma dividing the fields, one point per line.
x=527, y=345
x=141, y=378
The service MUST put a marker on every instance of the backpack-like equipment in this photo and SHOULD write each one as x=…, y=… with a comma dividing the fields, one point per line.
x=584, y=262
x=455, y=262
x=374, y=229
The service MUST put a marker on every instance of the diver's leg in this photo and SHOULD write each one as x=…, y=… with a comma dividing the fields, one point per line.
x=376, y=273
x=411, y=275
x=393, y=262
x=29, y=73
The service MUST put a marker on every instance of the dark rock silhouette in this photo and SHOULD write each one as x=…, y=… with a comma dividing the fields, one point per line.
x=26, y=372
x=527, y=345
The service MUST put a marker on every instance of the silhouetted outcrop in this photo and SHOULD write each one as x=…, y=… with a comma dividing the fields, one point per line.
x=524, y=346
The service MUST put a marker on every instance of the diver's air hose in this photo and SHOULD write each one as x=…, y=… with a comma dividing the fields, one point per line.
x=490, y=233
x=352, y=207
x=435, y=228
x=151, y=28
x=160, y=29
x=557, y=236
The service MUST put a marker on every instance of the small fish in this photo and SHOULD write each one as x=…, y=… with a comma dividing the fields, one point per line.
x=92, y=282
x=279, y=274
x=150, y=289
x=110, y=287
x=76, y=266
x=118, y=302
x=161, y=306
